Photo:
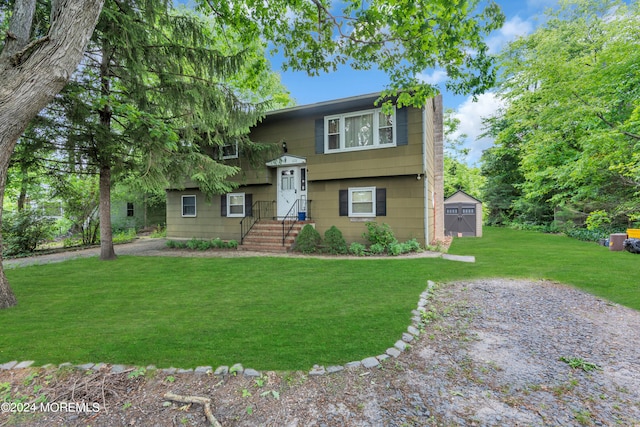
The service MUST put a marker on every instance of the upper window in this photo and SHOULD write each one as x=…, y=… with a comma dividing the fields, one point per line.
x=230, y=151
x=235, y=204
x=130, y=211
x=362, y=201
x=362, y=130
x=188, y=206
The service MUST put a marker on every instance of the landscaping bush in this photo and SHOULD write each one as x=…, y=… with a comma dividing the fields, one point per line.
x=379, y=234
x=376, y=249
x=232, y=244
x=334, y=241
x=412, y=246
x=586, y=235
x=396, y=249
x=24, y=230
x=308, y=241
x=357, y=249
x=124, y=236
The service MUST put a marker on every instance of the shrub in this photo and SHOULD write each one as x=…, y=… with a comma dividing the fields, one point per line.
x=598, y=221
x=379, y=234
x=217, y=243
x=124, y=236
x=412, y=246
x=24, y=230
x=334, y=241
x=193, y=243
x=232, y=244
x=159, y=232
x=396, y=249
x=376, y=249
x=308, y=240
x=586, y=235
x=357, y=249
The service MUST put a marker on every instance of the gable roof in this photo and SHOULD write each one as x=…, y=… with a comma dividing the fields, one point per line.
x=463, y=193
x=325, y=108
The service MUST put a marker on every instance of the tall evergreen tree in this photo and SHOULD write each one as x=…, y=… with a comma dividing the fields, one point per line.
x=156, y=88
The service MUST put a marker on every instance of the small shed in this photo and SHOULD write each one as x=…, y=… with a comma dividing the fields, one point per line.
x=462, y=215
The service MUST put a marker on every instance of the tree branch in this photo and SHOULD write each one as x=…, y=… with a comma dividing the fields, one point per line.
x=204, y=401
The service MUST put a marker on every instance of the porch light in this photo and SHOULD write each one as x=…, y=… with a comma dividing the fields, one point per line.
x=284, y=147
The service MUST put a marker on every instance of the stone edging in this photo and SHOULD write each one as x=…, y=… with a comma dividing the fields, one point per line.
x=413, y=331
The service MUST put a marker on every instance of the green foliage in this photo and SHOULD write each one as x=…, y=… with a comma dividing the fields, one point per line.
x=81, y=200
x=201, y=244
x=308, y=241
x=319, y=38
x=586, y=235
x=379, y=234
x=568, y=135
x=412, y=246
x=377, y=249
x=396, y=249
x=23, y=231
x=357, y=249
x=598, y=221
x=579, y=363
x=334, y=241
x=159, y=232
x=124, y=236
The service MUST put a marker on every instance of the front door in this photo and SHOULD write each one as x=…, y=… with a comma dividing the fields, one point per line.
x=292, y=187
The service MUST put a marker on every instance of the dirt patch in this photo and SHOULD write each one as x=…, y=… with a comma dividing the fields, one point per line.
x=489, y=355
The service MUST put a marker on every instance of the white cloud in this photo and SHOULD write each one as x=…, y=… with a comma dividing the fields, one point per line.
x=436, y=77
x=540, y=4
x=470, y=114
x=511, y=30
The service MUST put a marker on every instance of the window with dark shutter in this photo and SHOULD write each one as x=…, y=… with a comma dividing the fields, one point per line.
x=223, y=205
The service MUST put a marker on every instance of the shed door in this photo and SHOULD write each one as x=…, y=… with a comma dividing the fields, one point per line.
x=460, y=219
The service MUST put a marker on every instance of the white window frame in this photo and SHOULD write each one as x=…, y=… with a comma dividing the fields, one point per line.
x=229, y=156
x=342, y=137
x=371, y=214
x=235, y=215
x=195, y=206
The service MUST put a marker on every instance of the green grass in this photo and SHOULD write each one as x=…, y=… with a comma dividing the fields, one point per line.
x=268, y=313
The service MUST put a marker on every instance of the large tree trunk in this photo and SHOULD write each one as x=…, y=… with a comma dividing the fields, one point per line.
x=106, y=236
x=32, y=73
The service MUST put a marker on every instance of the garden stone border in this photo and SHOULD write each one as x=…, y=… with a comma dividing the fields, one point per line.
x=418, y=322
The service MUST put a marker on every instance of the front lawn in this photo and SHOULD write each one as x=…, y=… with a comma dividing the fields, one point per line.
x=268, y=313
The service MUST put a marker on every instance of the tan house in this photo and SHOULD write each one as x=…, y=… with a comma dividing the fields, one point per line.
x=343, y=163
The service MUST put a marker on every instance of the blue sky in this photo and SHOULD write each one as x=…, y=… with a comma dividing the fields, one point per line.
x=521, y=19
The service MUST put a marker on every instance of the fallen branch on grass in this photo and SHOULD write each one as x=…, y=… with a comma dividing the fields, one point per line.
x=204, y=401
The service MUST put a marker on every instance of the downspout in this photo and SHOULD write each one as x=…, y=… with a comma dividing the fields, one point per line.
x=425, y=181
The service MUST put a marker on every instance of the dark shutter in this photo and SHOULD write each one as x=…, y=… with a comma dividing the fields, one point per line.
x=402, y=127
x=223, y=205
x=248, y=203
x=320, y=136
x=381, y=202
x=343, y=202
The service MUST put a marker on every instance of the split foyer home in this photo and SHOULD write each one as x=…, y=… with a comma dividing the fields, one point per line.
x=342, y=163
